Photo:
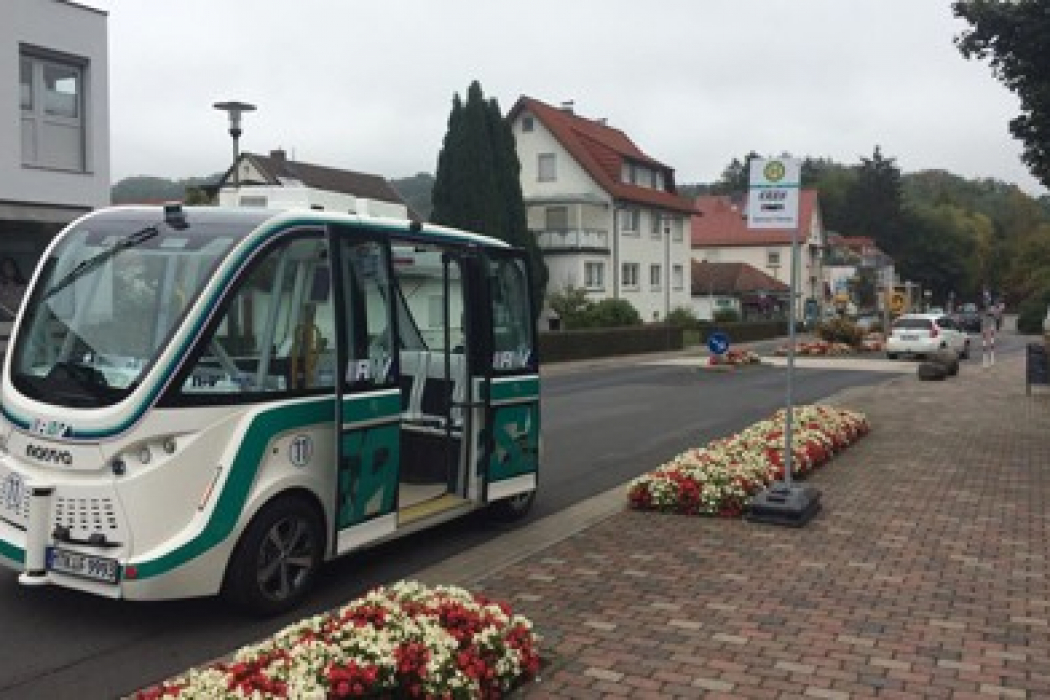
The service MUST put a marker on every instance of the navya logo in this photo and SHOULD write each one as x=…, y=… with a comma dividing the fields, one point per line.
x=50, y=428
x=49, y=454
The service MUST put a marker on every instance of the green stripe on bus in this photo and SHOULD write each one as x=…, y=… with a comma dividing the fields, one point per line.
x=246, y=464
x=9, y=551
x=526, y=387
x=235, y=491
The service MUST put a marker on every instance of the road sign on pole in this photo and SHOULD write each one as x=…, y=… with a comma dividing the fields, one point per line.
x=772, y=203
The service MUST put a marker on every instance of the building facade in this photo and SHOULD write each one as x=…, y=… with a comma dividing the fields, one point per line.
x=54, y=84
x=607, y=216
x=720, y=235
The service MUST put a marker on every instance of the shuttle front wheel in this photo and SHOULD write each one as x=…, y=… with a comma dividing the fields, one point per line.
x=277, y=558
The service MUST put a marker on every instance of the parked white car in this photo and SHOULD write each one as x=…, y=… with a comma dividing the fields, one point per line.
x=921, y=334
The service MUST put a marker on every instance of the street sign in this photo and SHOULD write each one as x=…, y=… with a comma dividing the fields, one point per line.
x=718, y=342
x=772, y=200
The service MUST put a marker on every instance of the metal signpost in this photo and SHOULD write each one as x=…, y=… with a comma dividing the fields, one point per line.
x=773, y=199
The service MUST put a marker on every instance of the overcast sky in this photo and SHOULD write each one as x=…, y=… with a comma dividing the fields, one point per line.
x=368, y=86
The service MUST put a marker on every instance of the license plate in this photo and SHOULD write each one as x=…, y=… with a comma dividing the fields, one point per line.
x=83, y=565
x=13, y=487
x=909, y=336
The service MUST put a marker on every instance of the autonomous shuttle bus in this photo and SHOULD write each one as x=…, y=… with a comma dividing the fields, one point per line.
x=209, y=400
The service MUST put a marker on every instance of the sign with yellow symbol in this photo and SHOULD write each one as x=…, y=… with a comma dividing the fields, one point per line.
x=897, y=302
x=772, y=200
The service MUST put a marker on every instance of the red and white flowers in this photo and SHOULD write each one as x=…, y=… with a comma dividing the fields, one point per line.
x=405, y=640
x=734, y=357
x=720, y=479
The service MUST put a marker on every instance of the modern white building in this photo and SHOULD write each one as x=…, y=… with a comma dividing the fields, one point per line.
x=607, y=216
x=54, y=149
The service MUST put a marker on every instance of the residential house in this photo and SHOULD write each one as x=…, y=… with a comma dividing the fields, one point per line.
x=275, y=181
x=54, y=165
x=738, y=287
x=607, y=216
x=720, y=234
x=854, y=270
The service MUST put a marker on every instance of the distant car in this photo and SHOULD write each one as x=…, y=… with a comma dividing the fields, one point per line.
x=921, y=334
x=968, y=318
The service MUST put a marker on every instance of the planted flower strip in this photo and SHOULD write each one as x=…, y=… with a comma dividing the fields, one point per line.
x=405, y=640
x=720, y=479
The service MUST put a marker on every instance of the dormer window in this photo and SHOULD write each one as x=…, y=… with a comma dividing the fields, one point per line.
x=527, y=123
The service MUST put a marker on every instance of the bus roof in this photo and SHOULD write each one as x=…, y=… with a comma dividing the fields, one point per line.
x=241, y=221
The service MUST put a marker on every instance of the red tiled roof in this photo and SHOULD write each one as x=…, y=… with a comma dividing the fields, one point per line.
x=722, y=221
x=602, y=150
x=732, y=278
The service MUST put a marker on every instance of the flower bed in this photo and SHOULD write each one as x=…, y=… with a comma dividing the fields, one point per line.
x=734, y=358
x=872, y=342
x=405, y=640
x=720, y=479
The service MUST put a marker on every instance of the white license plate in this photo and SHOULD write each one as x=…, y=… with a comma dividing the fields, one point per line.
x=13, y=488
x=909, y=336
x=84, y=565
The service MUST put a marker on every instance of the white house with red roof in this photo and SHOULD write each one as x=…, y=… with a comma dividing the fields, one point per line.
x=607, y=216
x=720, y=234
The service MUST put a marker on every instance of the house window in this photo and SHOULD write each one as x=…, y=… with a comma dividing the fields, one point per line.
x=630, y=221
x=629, y=272
x=546, y=167
x=656, y=225
x=676, y=230
x=52, y=105
x=625, y=172
x=773, y=258
x=677, y=277
x=557, y=218
x=594, y=275
x=526, y=124
x=654, y=276
x=658, y=180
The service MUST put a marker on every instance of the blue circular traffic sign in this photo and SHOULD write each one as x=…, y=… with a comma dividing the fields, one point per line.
x=718, y=342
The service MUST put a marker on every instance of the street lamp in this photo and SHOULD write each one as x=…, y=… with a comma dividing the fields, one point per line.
x=235, y=110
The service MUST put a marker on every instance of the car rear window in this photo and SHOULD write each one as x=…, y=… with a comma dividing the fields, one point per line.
x=913, y=323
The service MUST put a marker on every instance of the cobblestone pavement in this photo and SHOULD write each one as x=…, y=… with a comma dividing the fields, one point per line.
x=925, y=576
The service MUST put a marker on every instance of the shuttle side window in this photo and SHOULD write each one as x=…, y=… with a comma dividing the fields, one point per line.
x=276, y=332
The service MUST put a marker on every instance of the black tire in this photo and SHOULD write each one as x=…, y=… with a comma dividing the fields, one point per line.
x=516, y=507
x=891, y=356
x=276, y=561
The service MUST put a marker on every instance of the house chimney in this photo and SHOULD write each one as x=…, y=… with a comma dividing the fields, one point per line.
x=603, y=121
x=567, y=106
x=279, y=155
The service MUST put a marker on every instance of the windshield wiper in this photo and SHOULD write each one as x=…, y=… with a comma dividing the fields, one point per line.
x=85, y=266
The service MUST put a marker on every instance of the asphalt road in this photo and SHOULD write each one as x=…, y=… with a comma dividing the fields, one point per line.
x=601, y=427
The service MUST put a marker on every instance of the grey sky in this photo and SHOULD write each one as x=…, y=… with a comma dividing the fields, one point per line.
x=368, y=85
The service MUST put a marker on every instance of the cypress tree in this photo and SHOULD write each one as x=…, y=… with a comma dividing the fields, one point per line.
x=477, y=186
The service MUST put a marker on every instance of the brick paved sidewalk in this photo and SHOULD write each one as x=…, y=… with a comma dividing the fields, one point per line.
x=926, y=574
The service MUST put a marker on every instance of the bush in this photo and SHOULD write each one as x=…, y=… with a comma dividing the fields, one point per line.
x=682, y=316
x=726, y=315
x=840, y=330
x=613, y=313
x=1031, y=312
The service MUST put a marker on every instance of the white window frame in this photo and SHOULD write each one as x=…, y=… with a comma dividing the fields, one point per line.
x=677, y=276
x=630, y=221
x=629, y=275
x=527, y=123
x=38, y=115
x=593, y=275
x=655, y=277
x=676, y=229
x=656, y=229
x=546, y=167
x=772, y=258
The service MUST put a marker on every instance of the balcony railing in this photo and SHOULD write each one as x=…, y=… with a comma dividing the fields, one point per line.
x=574, y=239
